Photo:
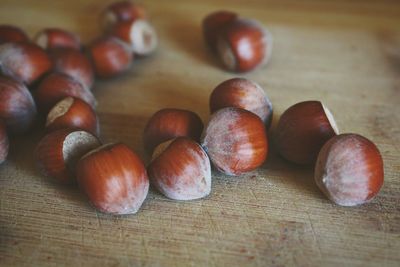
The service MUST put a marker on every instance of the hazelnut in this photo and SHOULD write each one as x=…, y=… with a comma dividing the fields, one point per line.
x=74, y=64
x=235, y=140
x=181, y=169
x=51, y=38
x=302, y=130
x=139, y=33
x=213, y=25
x=10, y=33
x=244, y=45
x=72, y=112
x=242, y=93
x=56, y=86
x=4, y=144
x=122, y=11
x=110, y=56
x=25, y=62
x=58, y=152
x=17, y=108
x=349, y=170
x=114, y=179
x=169, y=123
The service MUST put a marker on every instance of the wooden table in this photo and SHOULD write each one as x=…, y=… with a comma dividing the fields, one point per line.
x=344, y=53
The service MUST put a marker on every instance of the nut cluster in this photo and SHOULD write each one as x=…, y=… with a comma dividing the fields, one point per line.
x=234, y=140
x=348, y=167
x=127, y=32
x=54, y=76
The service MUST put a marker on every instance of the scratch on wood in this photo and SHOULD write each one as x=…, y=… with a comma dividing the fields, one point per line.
x=98, y=219
x=315, y=236
x=252, y=193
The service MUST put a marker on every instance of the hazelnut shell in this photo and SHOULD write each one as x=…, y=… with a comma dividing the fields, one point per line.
x=73, y=63
x=10, y=33
x=52, y=38
x=17, y=107
x=72, y=113
x=139, y=33
x=170, y=123
x=122, y=11
x=110, y=56
x=349, y=170
x=302, y=130
x=114, y=179
x=56, y=86
x=182, y=170
x=213, y=25
x=58, y=152
x=26, y=62
x=235, y=140
x=242, y=93
x=244, y=45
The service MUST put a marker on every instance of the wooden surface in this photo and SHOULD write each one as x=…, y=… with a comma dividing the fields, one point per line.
x=345, y=53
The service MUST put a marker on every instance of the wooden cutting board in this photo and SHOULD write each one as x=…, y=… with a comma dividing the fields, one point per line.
x=344, y=53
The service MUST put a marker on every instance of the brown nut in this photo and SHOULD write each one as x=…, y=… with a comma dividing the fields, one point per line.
x=235, y=140
x=349, y=170
x=52, y=38
x=244, y=45
x=73, y=63
x=181, y=170
x=17, y=108
x=242, y=93
x=169, y=123
x=25, y=62
x=213, y=25
x=56, y=86
x=58, y=152
x=139, y=33
x=72, y=112
x=114, y=179
x=302, y=130
x=10, y=33
x=110, y=56
x=121, y=11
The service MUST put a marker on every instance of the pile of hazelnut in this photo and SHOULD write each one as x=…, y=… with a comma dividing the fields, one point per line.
x=53, y=76
x=348, y=167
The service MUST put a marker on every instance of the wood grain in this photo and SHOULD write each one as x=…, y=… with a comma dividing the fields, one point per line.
x=345, y=53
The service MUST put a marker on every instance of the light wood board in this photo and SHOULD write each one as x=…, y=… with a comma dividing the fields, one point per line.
x=344, y=53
